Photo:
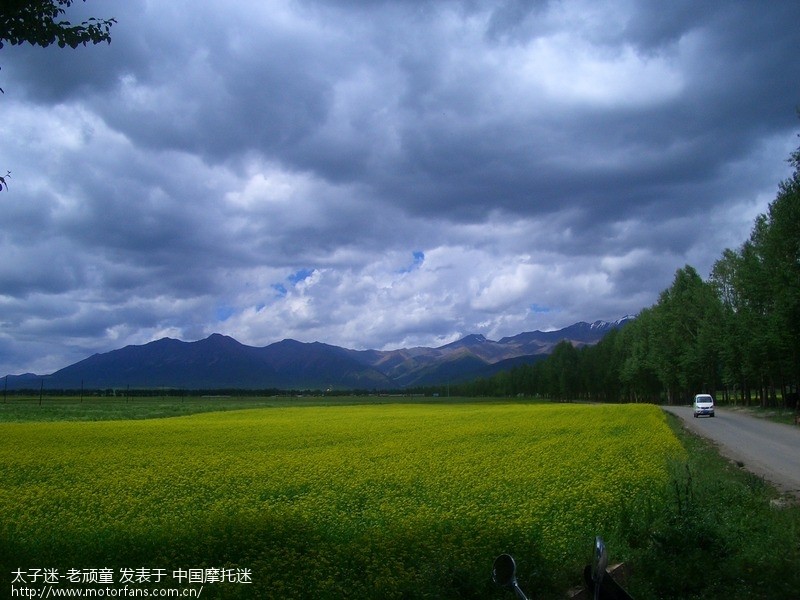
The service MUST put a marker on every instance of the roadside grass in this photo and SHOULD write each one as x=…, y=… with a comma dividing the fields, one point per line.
x=720, y=536
x=779, y=414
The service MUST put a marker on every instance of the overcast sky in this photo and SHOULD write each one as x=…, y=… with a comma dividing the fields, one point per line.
x=380, y=174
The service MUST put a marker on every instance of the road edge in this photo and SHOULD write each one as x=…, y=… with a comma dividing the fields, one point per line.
x=738, y=459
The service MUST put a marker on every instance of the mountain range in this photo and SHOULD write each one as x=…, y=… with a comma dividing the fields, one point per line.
x=221, y=362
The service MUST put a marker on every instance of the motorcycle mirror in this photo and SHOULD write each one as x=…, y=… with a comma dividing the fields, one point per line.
x=599, y=564
x=504, y=574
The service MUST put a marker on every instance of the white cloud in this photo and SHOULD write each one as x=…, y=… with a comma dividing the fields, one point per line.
x=568, y=70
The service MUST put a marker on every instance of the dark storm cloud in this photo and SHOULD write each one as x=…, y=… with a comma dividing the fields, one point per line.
x=548, y=161
x=272, y=86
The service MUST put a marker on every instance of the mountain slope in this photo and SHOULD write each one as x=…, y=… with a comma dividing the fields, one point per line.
x=217, y=360
x=220, y=362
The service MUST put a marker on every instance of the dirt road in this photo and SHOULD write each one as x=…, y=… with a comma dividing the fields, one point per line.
x=770, y=450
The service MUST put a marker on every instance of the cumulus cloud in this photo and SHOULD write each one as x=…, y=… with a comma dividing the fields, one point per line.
x=378, y=175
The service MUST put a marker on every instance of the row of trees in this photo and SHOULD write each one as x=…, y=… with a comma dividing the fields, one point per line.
x=736, y=334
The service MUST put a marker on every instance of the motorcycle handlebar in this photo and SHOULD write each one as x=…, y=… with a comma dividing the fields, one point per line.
x=596, y=576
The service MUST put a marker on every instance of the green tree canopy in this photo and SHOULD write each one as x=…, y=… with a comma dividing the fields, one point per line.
x=38, y=23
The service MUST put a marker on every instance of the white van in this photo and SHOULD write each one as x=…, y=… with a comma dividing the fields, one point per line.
x=703, y=405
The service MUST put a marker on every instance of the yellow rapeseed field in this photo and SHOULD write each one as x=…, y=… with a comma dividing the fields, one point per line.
x=384, y=501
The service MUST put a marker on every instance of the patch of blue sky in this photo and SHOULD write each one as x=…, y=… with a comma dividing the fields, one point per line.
x=540, y=309
x=418, y=259
x=223, y=313
x=294, y=278
x=300, y=275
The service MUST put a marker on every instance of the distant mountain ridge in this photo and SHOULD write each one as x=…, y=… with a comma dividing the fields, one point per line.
x=221, y=362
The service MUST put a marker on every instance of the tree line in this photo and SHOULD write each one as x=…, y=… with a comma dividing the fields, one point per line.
x=735, y=334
